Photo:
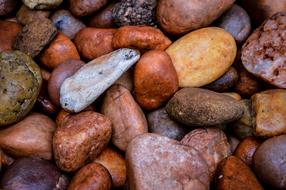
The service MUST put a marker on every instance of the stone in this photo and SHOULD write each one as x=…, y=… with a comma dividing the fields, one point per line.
x=35, y=36
x=128, y=120
x=42, y=4
x=211, y=143
x=264, y=52
x=31, y=136
x=269, y=162
x=114, y=162
x=155, y=162
x=90, y=81
x=79, y=139
x=234, y=174
x=246, y=149
x=202, y=56
x=20, y=85
x=269, y=113
x=244, y=127
x=67, y=23
x=201, y=107
x=159, y=122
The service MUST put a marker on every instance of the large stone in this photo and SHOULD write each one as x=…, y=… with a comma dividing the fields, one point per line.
x=88, y=83
x=202, y=56
x=270, y=112
x=155, y=162
x=200, y=107
x=269, y=162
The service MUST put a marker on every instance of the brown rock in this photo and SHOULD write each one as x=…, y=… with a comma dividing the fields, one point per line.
x=201, y=107
x=155, y=79
x=246, y=149
x=159, y=122
x=225, y=82
x=79, y=139
x=26, y=15
x=35, y=36
x=140, y=37
x=86, y=7
x=263, y=54
x=269, y=162
x=8, y=34
x=67, y=23
x=127, y=118
x=211, y=143
x=7, y=7
x=6, y=160
x=269, y=111
x=155, y=162
x=103, y=18
x=94, y=42
x=179, y=17
x=115, y=164
x=233, y=174
x=30, y=137
x=32, y=173
x=247, y=84
x=60, y=50
x=44, y=102
x=91, y=177
x=59, y=74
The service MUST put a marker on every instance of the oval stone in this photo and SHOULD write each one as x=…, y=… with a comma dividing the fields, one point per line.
x=202, y=56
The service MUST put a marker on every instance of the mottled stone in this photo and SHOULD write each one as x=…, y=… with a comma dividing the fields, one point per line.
x=201, y=107
x=211, y=143
x=155, y=162
x=90, y=81
x=270, y=112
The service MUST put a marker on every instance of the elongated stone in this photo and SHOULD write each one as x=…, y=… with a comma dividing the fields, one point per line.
x=88, y=83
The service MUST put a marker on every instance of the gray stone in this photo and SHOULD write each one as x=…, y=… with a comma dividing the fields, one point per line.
x=90, y=81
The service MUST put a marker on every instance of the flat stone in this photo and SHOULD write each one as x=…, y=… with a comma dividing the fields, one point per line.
x=90, y=81
x=156, y=162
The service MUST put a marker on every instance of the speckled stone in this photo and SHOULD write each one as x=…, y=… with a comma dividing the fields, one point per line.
x=156, y=162
x=90, y=81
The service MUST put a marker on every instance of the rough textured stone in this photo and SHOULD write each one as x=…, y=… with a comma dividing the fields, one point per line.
x=155, y=162
x=269, y=162
x=264, y=52
x=270, y=112
x=35, y=36
x=20, y=83
x=90, y=81
x=201, y=107
x=211, y=143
